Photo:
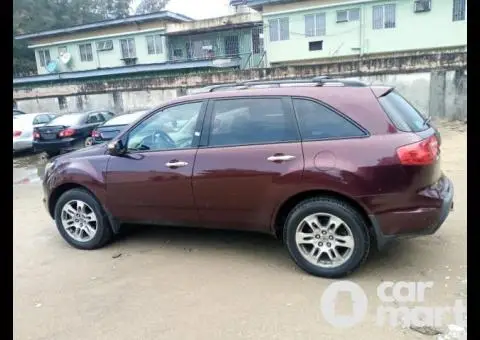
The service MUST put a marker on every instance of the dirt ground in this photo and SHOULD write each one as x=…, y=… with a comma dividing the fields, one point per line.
x=163, y=283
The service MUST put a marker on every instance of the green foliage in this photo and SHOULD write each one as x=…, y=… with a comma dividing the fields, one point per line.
x=151, y=6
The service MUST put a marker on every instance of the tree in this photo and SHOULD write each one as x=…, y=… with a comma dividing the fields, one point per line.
x=151, y=6
x=31, y=16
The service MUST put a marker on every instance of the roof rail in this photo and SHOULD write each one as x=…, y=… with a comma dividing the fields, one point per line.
x=315, y=81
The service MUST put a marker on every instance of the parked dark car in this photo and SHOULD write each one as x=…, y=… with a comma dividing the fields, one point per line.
x=111, y=128
x=333, y=167
x=18, y=112
x=67, y=132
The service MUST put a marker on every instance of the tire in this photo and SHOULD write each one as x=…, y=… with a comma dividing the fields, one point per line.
x=51, y=154
x=103, y=231
x=351, y=226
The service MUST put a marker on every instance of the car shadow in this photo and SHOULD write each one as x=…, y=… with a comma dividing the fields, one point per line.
x=252, y=247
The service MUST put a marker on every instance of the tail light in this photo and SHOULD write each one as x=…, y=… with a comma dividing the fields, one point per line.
x=16, y=133
x=424, y=152
x=67, y=132
x=95, y=134
x=36, y=135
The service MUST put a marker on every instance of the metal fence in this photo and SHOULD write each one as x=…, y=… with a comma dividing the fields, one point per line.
x=244, y=44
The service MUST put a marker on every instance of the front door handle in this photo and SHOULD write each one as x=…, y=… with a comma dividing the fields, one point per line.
x=280, y=158
x=176, y=164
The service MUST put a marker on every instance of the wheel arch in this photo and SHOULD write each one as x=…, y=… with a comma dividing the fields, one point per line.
x=284, y=209
x=64, y=187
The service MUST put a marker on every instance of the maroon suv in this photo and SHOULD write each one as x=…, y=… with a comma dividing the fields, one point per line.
x=331, y=166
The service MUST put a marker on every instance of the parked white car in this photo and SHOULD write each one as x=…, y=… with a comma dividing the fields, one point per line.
x=23, y=128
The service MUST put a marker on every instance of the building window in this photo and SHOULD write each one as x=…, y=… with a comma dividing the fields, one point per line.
x=315, y=45
x=279, y=29
x=62, y=50
x=44, y=56
x=458, y=10
x=257, y=40
x=86, y=53
x=105, y=45
x=128, y=48
x=348, y=15
x=232, y=46
x=384, y=16
x=315, y=25
x=154, y=44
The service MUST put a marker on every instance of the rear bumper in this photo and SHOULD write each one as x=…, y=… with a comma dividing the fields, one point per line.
x=21, y=144
x=429, y=221
x=57, y=145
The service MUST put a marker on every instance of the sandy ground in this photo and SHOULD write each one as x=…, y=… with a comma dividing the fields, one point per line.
x=186, y=284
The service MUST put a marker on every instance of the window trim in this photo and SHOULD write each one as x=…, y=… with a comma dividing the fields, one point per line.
x=279, y=30
x=315, y=22
x=155, y=51
x=128, y=47
x=41, y=54
x=338, y=112
x=383, y=16
x=86, y=54
x=464, y=11
x=124, y=136
x=206, y=129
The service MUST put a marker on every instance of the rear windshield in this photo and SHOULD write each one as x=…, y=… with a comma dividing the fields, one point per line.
x=403, y=114
x=68, y=119
x=124, y=119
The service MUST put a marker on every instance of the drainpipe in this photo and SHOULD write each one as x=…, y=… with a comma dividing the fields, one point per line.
x=361, y=28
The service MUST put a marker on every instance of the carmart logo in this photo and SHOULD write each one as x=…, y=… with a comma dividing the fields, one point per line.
x=387, y=292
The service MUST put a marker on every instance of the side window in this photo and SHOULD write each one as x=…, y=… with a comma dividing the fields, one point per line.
x=251, y=121
x=107, y=115
x=172, y=128
x=319, y=122
x=41, y=119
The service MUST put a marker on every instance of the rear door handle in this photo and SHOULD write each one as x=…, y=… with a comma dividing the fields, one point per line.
x=176, y=164
x=280, y=158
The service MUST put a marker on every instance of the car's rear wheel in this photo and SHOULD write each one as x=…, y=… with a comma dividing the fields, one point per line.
x=326, y=237
x=81, y=220
x=88, y=141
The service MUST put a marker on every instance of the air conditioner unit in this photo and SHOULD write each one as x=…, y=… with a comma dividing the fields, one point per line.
x=422, y=6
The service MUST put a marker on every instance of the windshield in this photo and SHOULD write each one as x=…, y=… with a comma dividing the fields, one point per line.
x=68, y=119
x=124, y=119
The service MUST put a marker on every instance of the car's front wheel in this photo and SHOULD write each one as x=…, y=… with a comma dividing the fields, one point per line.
x=326, y=237
x=81, y=220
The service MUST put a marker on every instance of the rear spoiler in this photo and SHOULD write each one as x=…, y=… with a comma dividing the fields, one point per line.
x=381, y=91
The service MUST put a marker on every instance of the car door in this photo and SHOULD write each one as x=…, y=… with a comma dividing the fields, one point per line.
x=152, y=183
x=250, y=159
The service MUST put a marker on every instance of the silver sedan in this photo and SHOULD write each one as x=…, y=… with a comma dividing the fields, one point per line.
x=23, y=126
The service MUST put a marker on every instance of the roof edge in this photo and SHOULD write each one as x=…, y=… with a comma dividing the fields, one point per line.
x=107, y=23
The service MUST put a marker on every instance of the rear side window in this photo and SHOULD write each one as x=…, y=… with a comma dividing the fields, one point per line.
x=402, y=114
x=317, y=121
x=251, y=121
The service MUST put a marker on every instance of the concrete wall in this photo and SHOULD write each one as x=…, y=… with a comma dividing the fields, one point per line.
x=443, y=96
x=433, y=29
x=436, y=83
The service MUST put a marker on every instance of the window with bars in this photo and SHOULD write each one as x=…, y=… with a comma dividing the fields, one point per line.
x=128, y=48
x=279, y=29
x=86, y=53
x=348, y=15
x=257, y=40
x=384, y=16
x=44, y=56
x=154, y=44
x=315, y=25
x=459, y=10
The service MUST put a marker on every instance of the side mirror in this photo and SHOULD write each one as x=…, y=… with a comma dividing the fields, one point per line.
x=116, y=148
